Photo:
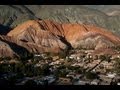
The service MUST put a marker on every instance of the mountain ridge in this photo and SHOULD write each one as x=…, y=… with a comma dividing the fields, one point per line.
x=41, y=36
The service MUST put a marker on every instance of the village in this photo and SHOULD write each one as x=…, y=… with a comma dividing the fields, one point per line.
x=80, y=67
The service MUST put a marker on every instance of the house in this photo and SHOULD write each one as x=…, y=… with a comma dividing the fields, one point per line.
x=55, y=63
x=77, y=76
x=81, y=82
x=104, y=83
x=71, y=74
x=95, y=82
x=24, y=80
x=115, y=56
x=94, y=70
x=89, y=56
x=106, y=80
x=89, y=51
x=74, y=75
x=111, y=75
x=72, y=56
x=55, y=58
x=40, y=56
x=78, y=58
x=38, y=65
x=64, y=81
x=50, y=79
x=118, y=83
x=39, y=82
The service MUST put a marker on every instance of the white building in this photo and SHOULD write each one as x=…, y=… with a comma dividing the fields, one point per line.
x=95, y=82
x=118, y=83
x=72, y=57
x=111, y=75
x=80, y=82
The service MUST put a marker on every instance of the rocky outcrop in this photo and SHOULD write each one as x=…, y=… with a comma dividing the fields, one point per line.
x=39, y=36
x=9, y=48
x=6, y=50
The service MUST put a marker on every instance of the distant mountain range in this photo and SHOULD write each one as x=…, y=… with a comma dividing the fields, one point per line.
x=12, y=15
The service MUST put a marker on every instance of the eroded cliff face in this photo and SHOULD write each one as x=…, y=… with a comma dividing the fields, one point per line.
x=10, y=48
x=39, y=36
x=6, y=50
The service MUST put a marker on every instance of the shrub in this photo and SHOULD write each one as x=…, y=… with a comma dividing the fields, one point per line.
x=117, y=66
x=105, y=57
x=45, y=69
x=62, y=55
x=102, y=57
x=27, y=56
x=90, y=75
x=30, y=83
x=61, y=73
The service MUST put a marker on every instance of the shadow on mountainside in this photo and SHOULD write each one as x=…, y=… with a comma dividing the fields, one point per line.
x=65, y=42
x=4, y=29
x=19, y=50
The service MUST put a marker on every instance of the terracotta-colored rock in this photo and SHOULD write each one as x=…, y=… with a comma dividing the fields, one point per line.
x=5, y=50
x=47, y=35
x=9, y=48
x=38, y=36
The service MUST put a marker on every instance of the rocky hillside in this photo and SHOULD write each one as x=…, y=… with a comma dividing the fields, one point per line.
x=39, y=36
x=13, y=15
x=111, y=10
x=80, y=14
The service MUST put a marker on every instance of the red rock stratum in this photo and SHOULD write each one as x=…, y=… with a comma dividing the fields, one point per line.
x=39, y=36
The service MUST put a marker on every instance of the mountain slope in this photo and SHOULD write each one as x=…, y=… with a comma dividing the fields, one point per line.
x=49, y=36
x=14, y=15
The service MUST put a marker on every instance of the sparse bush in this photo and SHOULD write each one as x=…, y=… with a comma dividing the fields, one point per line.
x=90, y=75
x=6, y=58
x=117, y=47
x=45, y=69
x=82, y=56
x=105, y=57
x=80, y=70
x=117, y=66
x=102, y=57
x=61, y=73
x=30, y=83
x=62, y=54
x=27, y=56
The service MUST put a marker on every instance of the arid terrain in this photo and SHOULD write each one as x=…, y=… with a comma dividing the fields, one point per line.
x=59, y=45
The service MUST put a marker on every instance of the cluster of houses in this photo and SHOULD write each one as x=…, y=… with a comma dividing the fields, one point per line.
x=87, y=59
x=39, y=80
x=107, y=79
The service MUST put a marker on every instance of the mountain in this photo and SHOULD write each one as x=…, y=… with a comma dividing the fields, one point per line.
x=13, y=15
x=9, y=48
x=41, y=36
x=111, y=10
x=80, y=14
